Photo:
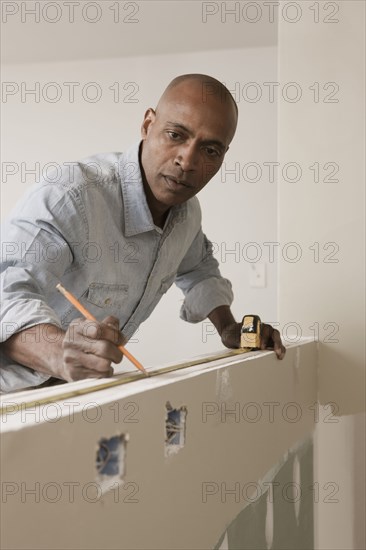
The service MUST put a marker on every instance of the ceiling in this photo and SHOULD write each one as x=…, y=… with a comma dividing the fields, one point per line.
x=123, y=28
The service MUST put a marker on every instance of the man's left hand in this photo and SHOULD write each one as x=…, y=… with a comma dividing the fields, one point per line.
x=270, y=338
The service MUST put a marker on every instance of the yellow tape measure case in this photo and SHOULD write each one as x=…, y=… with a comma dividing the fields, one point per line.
x=251, y=332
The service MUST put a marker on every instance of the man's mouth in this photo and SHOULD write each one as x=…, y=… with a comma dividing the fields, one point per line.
x=176, y=184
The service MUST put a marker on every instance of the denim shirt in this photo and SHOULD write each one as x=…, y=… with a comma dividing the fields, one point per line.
x=91, y=230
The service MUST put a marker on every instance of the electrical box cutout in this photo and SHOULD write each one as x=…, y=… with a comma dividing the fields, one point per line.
x=111, y=461
x=175, y=429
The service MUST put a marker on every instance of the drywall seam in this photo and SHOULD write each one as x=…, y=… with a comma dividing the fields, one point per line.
x=14, y=405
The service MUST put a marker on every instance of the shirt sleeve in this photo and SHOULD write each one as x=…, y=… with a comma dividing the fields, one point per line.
x=35, y=253
x=200, y=280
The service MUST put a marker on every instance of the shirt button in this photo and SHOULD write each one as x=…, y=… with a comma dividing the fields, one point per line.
x=107, y=301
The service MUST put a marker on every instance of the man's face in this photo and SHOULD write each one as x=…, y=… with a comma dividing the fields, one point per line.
x=184, y=143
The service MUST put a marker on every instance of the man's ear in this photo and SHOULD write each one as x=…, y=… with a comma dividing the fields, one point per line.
x=149, y=119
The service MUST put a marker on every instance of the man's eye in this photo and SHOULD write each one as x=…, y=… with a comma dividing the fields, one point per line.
x=174, y=135
x=212, y=152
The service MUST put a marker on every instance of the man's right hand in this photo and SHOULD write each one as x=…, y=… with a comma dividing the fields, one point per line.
x=85, y=350
x=89, y=348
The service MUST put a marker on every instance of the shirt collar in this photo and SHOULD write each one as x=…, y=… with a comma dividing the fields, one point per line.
x=137, y=215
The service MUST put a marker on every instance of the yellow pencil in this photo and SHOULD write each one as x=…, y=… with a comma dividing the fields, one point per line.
x=75, y=302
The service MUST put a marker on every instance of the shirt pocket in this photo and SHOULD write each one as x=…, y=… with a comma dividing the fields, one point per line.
x=108, y=297
x=101, y=299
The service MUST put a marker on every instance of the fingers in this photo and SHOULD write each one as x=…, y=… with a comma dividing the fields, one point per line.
x=230, y=336
x=108, y=330
x=266, y=333
x=271, y=339
x=90, y=347
x=99, y=339
x=279, y=348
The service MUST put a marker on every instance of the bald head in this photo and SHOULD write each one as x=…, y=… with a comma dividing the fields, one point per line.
x=207, y=88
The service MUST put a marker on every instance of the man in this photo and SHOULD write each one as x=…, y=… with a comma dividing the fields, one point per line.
x=117, y=230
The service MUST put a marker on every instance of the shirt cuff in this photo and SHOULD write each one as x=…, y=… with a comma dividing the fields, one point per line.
x=22, y=314
x=204, y=297
x=15, y=377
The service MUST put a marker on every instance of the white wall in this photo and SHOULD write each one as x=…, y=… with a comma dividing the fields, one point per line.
x=235, y=212
x=316, y=290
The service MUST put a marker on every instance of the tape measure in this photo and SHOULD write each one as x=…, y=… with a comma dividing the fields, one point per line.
x=250, y=337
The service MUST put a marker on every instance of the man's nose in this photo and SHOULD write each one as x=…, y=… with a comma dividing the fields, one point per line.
x=187, y=157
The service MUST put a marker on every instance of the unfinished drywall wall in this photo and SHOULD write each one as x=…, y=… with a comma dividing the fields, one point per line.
x=50, y=477
x=281, y=514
